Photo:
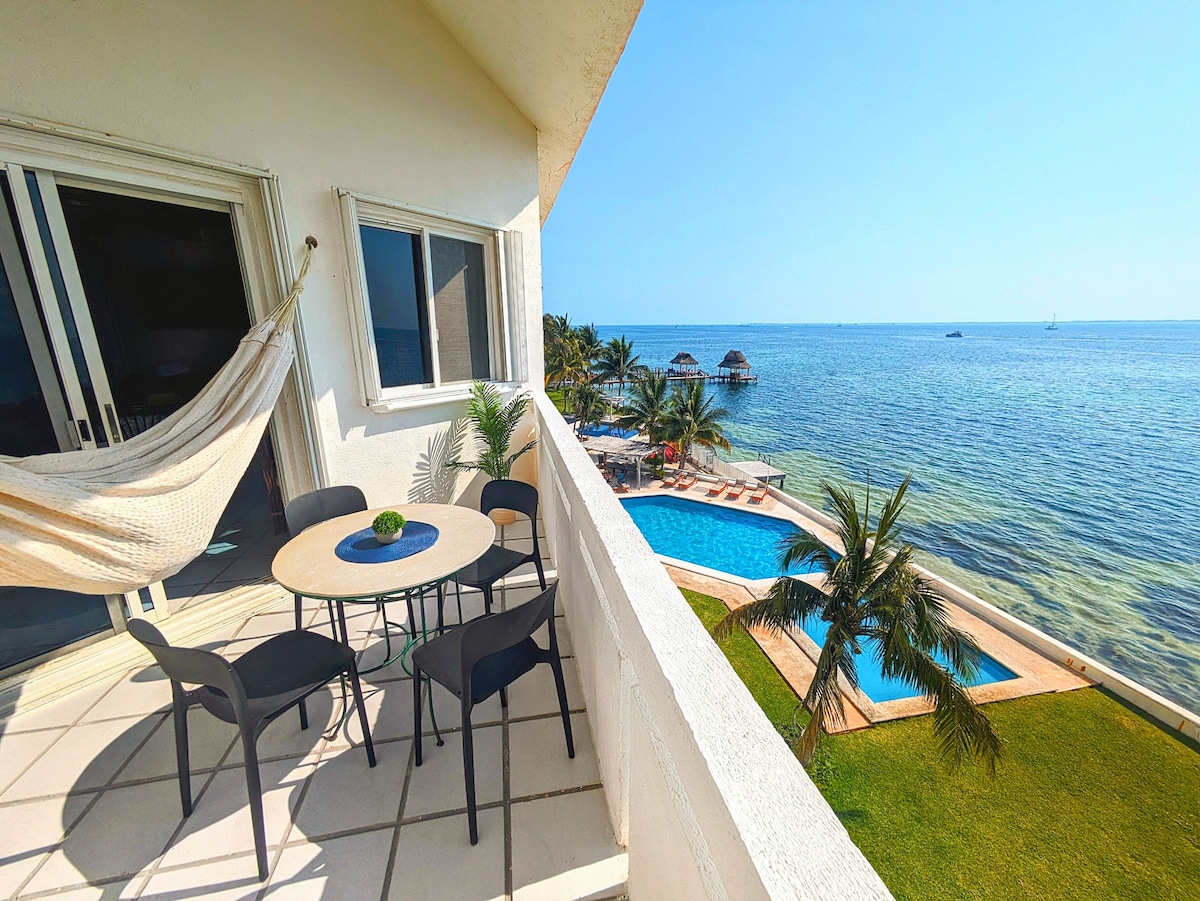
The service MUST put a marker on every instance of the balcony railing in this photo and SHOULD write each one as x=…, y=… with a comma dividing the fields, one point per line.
x=702, y=790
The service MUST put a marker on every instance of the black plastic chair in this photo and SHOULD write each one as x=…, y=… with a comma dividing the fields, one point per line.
x=251, y=693
x=482, y=657
x=499, y=561
x=318, y=506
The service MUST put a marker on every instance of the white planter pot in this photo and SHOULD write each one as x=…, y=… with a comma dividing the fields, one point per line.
x=388, y=539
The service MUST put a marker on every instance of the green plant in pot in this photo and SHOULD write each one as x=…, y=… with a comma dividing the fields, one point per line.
x=388, y=526
x=494, y=423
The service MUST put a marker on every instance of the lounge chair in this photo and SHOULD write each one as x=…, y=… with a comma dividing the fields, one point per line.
x=736, y=491
x=670, y=481
x=618, y=486
x=759, y=495
x=718, y=488
x=688, y=480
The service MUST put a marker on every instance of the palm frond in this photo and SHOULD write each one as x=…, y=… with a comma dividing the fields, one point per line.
x=787, y=604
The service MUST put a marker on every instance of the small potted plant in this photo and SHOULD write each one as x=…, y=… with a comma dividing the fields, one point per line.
x=388, y=526
x=495, y=422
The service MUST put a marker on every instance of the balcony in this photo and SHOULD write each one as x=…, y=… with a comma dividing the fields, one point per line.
x=680, y=786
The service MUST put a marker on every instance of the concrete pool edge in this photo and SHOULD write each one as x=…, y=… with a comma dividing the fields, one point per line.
x=1036, y=672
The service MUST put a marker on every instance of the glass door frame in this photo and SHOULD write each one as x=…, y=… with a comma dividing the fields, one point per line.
x=252, y=199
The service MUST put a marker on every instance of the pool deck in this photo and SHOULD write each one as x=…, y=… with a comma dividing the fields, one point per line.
x=794, y=654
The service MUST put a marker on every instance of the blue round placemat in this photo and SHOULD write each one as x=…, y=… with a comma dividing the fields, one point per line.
x=361, y=546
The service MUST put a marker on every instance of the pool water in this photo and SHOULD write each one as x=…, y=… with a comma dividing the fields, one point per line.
x=746, y=544
x=717, y=537
x=597, y=431
x=879, y=688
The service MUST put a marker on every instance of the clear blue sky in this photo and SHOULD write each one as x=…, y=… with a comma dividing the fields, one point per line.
x=889, y=162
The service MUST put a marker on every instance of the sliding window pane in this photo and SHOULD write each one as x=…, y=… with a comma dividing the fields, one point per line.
x=460, y=307
x=399, y=314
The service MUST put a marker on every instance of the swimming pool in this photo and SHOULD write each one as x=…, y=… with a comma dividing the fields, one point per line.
x=597, y=431
x=746, y=544
x=880, y=688
x=711, y=535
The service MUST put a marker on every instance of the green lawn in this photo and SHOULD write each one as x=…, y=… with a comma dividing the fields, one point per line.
x=1091, y=801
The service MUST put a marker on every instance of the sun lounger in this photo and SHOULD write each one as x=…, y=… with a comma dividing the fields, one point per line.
x=760, y=495
x=738, y=489
x=670, y=481
x=618, y=486
x=718, y=488
x=688, y=480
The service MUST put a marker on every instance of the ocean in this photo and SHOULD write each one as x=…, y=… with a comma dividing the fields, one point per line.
x=1056, y=474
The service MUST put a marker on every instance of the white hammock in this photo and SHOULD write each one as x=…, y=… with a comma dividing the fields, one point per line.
x=117, y=518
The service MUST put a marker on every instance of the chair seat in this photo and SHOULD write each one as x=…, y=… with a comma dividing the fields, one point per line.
x=441, y=659
x=279, y=671
x=494, y=564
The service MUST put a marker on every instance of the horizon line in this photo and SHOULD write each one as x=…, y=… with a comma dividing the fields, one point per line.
x=844, y=322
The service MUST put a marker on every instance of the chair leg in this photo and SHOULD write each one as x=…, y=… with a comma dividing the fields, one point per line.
x=561, y=685
x=182, y=757
x=254, y=791
x=468, y=744
x=504, y=697
x=356, y=687
x=303, y=714
x=487, y=598
x=299, y=612
x=537, y=562
x=416, y=680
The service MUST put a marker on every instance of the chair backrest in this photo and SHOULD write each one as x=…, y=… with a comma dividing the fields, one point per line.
x=189, y=664
x=318, y=506
x=489, y=634
x=509, y=494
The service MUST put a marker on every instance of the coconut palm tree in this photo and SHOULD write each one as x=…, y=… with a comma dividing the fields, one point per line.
x=589, y=341
x=646, y=407
x=693, y=419
x=617, y=362
x=589, y=404
x=876, y=603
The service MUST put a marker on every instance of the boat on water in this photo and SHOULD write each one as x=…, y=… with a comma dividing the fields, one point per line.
x=1053, y=326
x=954, y=334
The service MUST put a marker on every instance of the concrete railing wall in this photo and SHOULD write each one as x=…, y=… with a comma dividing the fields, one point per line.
x=702, y=790
x=1150, y=702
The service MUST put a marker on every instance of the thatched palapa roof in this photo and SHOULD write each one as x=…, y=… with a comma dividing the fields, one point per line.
x=684, y=359
x=735, y=359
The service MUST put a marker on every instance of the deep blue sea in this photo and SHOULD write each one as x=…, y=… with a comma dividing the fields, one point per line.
x=1055, y=473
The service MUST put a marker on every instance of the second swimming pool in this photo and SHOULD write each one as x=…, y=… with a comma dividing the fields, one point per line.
x=747, y=545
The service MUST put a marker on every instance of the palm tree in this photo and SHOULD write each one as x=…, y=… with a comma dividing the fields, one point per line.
x=646, y=407
x=589, y=341
x=617, y=362
x=589, y=405
x=692, y=419
x=495, y=422
x=875, y=601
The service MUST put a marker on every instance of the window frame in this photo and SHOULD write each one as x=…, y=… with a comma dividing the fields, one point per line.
x=359, y=210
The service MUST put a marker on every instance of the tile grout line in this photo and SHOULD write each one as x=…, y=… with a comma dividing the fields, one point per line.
x=506, y=761
x=385, y=889
x=87, y=808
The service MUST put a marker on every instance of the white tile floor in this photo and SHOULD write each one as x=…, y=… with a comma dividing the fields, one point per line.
x=89, y=804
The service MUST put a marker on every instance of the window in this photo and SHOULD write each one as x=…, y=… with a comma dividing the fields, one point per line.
x=429, y=308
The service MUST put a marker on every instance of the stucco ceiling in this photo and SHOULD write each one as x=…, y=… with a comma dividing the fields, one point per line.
x=552, y=58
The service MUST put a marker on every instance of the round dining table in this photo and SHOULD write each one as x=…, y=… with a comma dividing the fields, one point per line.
x=339, y=561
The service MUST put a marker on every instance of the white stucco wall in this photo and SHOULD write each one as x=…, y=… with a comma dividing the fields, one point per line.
x=708, y=797
x=373, y=96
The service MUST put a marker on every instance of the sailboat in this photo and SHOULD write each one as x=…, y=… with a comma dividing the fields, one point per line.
x=1052, y=327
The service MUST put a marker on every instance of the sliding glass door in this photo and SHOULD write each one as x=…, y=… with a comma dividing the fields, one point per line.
x=117, y=305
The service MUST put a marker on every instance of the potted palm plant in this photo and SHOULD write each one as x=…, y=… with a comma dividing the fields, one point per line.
x=494, y=423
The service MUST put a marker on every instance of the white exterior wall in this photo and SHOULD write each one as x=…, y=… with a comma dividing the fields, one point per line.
x=372, y=96
x=705, y=793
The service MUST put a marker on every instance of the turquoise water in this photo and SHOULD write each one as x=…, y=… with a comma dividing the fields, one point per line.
x=721, y=538
x=746, y=545
x=597, y=430
x=1054, y=472
x=878, y=687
